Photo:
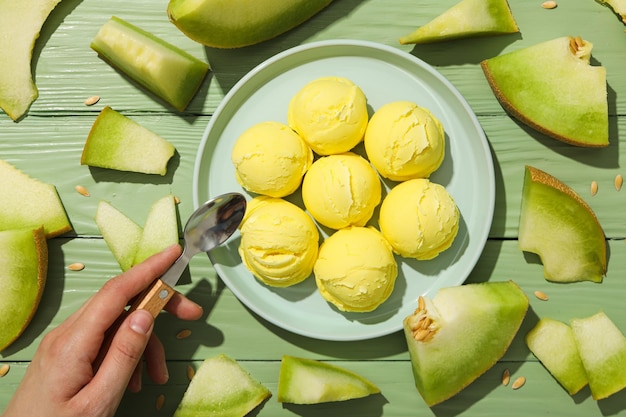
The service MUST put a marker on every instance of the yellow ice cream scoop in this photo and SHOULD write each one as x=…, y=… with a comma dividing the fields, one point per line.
x=330, y=114
x=279, y=241
x=356, y=270
x=419, y=218
x=404, y=141
x=341, y=190
x=271, y=159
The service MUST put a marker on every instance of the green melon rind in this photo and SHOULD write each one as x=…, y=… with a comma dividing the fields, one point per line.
x=221, y=388
x=120, y=233
x=308, y=381
x=476, y=324
x=602, y=348
x=467, y=18
x=553, y=91
x=160, y=229
x=559, y=226
x=24, y=260
x=553, y=343
x=118, y=142
x=30, y=203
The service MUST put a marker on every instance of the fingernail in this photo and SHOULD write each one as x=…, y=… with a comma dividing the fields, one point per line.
x=141, y=321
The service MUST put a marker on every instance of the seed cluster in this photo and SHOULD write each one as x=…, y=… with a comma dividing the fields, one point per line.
x=421, y=325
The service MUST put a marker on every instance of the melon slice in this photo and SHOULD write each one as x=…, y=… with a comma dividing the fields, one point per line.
x=466, y=19
x=121, y=234
x=552, y=88
x=30, y=203
x=221, y=387
x=559, y=226
x=553, y=343
x=618, y=7
x=118, y=142
x=160, y=229
x=24, y=260
x=20, y=24
x=307, y=381
x=602, y=348
x=460, y=334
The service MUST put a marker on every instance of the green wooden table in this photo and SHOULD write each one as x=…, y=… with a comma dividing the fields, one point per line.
x=47, y=145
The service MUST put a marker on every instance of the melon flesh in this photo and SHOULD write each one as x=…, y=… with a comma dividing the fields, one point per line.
x=121, y=234
x=469, y=328
x=160, y=230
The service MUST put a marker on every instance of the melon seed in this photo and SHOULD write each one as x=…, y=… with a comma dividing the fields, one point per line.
x=160, y=401
x=76, y=266
x=541, y=295
x=594, y=188
x=506, y=376
x=183, y=334
x=518, y=383
x=550, y=4
x=4, y=369
x=90, y=101
x=619, y=180
x=82, y=190
x=190, y=372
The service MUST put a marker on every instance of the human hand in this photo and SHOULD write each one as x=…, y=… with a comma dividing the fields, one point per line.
x=60, y=380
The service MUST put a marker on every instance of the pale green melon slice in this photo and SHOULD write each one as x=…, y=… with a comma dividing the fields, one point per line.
x=30, y=203
x=118, y=142
x=24, y=260
x=618, y=6
x=466, y=19
x=20, y=24
x=307, y=381
x=559, y=226
x=602, y=348
x=552, y=88
x=221, y=388
x=160, y=229
x=553, y=343
x=121, y=234
x=460, y=334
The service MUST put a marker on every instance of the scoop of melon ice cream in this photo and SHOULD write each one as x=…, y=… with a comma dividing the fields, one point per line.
x=279, y=241
x=404, y=141
x=356, y=270
x=330, y=114
x=341, y=190
x=271, y=159
x=419, y=218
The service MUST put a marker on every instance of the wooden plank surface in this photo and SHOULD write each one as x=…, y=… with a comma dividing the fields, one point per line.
x=47, y=145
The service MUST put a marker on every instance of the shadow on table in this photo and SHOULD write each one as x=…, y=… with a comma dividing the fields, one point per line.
x=362, y=407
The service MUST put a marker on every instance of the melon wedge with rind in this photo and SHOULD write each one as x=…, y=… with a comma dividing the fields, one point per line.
x=553, y=343
x=468, y=18
x=20, y=26
x=24, y=260
x=117, y=142
x=559, y=226
x=602, y=348
x=160, y=229
x=29, y=203
x=308, y=381
x=162, y=68
x=552, y=88
x=460, y=334
x=221, y=388
x=120, y=233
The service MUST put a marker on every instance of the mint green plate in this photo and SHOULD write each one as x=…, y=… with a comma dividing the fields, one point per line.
x=384, y=74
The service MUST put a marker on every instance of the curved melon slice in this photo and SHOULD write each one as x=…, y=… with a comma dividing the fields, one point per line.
x=20, y=24
x=553, y=343
x=602, y=348
x=24, y=260
x=160, y=230
x=120, y=233
x=552, y=88
x=307, y=381
x=466, y=19
x=559, y=226
x=221, y=387
x=460, y=334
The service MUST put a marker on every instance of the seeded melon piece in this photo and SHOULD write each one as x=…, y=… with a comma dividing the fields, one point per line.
x=602, y=348
x=160, y=229
x=466, y=19
x=30, y=203
x=460, y=334
x=20, y=25
x=307, y=381
x=24, y=260
x=559, y=226
x=121, y=234
x=221, y=388
x=118, y=142
x=164, y=69
x=552, y=88
x=553, y=343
